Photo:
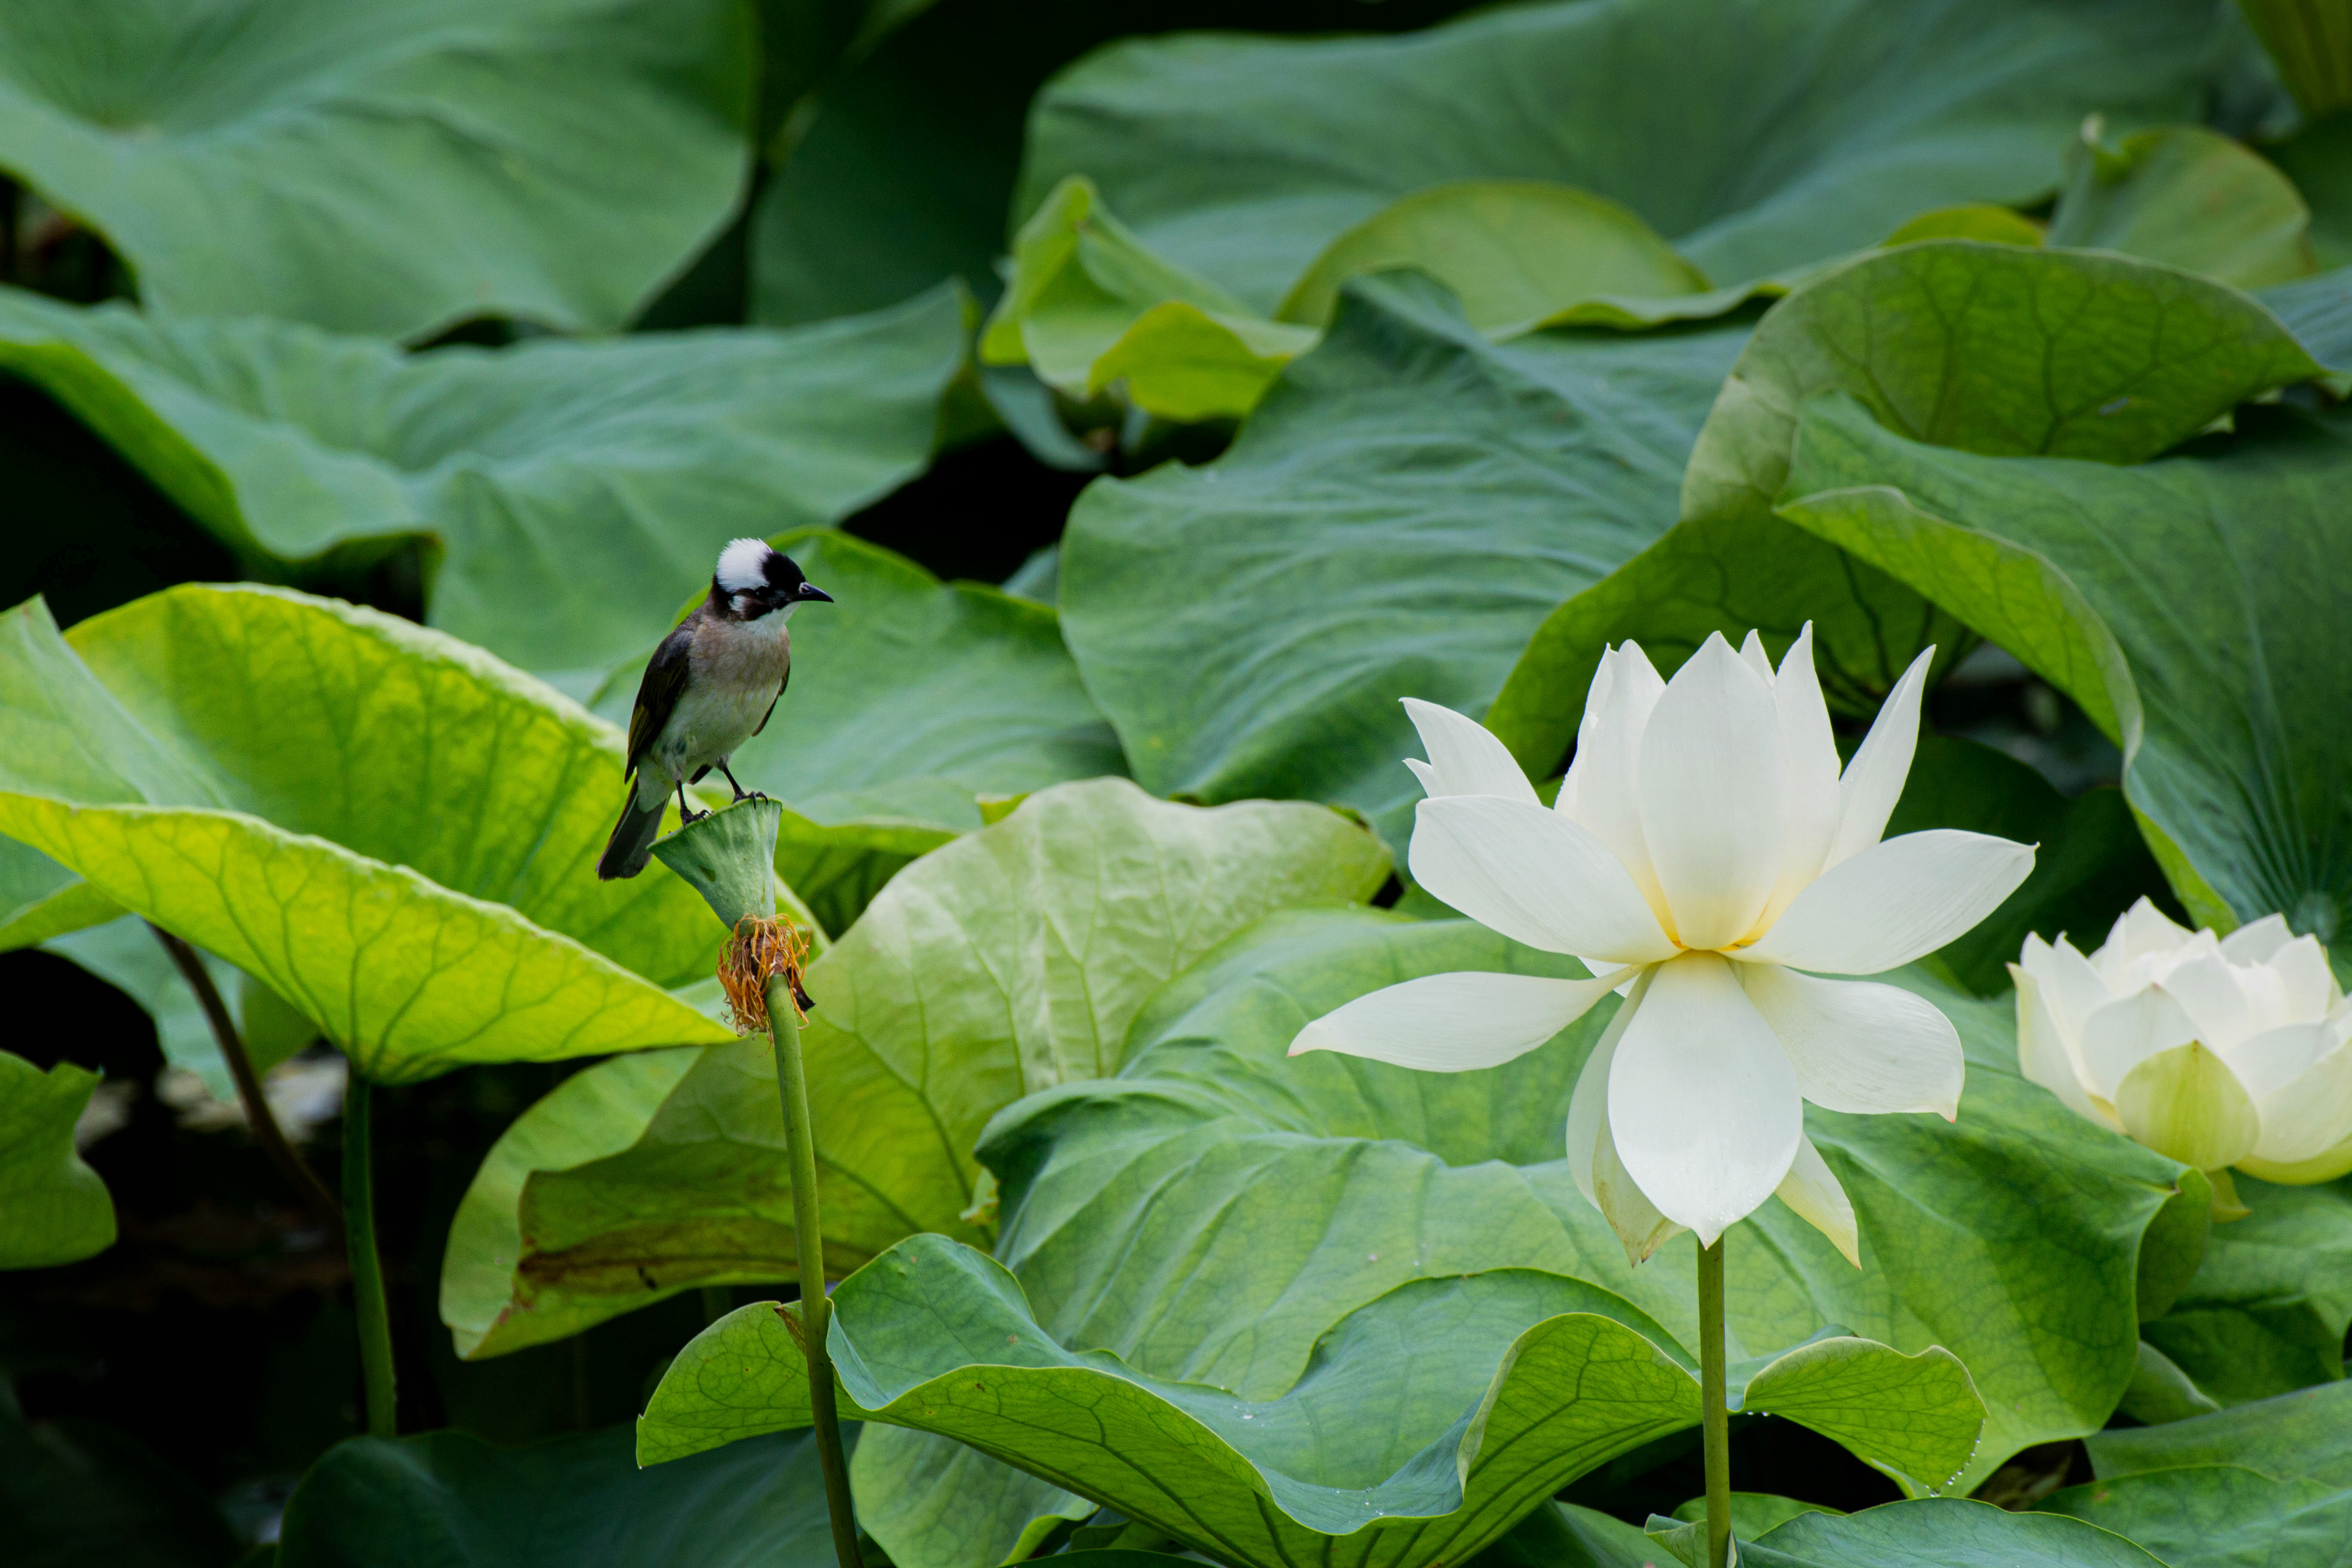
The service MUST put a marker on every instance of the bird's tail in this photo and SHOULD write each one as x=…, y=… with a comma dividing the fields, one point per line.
x=631, y=843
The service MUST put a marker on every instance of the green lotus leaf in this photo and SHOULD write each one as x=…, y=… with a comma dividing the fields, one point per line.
x=1941, y=1532
x=1522, y=1381
x=2304, y=1436
x=2189, y=198
x=2314, y=158
x=1985, y=348
x=392, y=830
x=2267, y=1310
x=450, y=1497
x=909, y=697
x=2268, y=1482
x=2217, y=1516
x=1757, y=137
x=1400, y=512
x=387, y=169
x=1006, y=962
x=572, y=491
x=1256, y=1199
x=2186, y=604
x=2318, y=312
x=53, y=1208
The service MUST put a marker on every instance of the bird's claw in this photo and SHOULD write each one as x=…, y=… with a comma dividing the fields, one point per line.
x=688, y=818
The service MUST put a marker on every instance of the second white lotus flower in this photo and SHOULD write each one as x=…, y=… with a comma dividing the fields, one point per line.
x=1705, y=851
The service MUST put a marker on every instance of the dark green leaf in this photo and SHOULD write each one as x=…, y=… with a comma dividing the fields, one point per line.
x=2188, y=605
x=1400, y=513
x=572, y=491
x=2221, y=1516
x=1757, y=136
x=387, y=168
x=2189, y=198
x=448, y=1500
x=1942, y=1533
x=2267, y=1312
x=2304, y=1436
x=1520, y=1382
x=1296, y=1190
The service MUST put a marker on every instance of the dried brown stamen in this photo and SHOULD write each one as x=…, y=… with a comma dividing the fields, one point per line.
x=758, y=950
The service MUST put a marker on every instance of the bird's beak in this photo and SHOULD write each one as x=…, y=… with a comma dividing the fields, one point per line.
x=811, y=591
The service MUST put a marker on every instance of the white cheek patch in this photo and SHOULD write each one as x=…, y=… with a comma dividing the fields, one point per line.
x=743, y=566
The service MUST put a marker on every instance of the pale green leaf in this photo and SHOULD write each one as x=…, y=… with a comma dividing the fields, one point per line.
x=1515, y=253
x=392, y=830
x=2189, y=198
x=1008, y=960
x=1942, y=1533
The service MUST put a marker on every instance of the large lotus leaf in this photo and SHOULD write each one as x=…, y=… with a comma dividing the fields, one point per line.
x=392, y=830
x=2267, y=1310
x=1758, y=136
x=1400, y=512
x=929, y=1502
x=386, y=168
x=1985, y=348
x=2318, y=312
x=1941, y=1532
x=2190, y=605
x=1003, y=963
x=2220, y=1516
x=1255, y=1199
x=2302, y=1436
x=2189, y=197
x=2315, y=159
x=448, y=1500
x=2089, y=860
x=1518, y=1383
x=572, y=491
x=125, y=954
x=53, y=1208
x=2265, y=1483
x=909, y=697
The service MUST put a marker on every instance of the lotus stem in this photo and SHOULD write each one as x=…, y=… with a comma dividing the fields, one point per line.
x=258, y=1114
x=1717, y=1424
x=816, y=1309
x=367, y=1268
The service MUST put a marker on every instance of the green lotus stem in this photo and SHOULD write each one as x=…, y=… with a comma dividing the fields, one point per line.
x=367, y=1267
x=1717, y=1425
x=816, y=1309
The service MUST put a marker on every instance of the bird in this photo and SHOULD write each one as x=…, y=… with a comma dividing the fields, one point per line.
x=711, y=685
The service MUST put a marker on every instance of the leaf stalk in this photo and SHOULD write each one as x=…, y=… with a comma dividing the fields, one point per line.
x=367, y=1265
x=258, y=1114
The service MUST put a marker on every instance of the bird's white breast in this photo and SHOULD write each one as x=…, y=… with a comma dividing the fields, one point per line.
x=736, y=668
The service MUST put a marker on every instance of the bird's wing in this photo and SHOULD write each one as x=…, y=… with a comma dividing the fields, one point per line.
x=779, y=696
x=658, y=692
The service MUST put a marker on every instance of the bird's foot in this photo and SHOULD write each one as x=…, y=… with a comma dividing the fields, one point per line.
x=688, y=818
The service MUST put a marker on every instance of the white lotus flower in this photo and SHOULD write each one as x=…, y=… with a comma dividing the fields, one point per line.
x=1705, y=852
x=2215, y=1051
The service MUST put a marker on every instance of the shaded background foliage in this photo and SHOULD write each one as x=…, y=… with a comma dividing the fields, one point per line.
x=766, y=173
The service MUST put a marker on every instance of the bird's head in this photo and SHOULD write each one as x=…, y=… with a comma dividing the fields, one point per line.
x=754, y=578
